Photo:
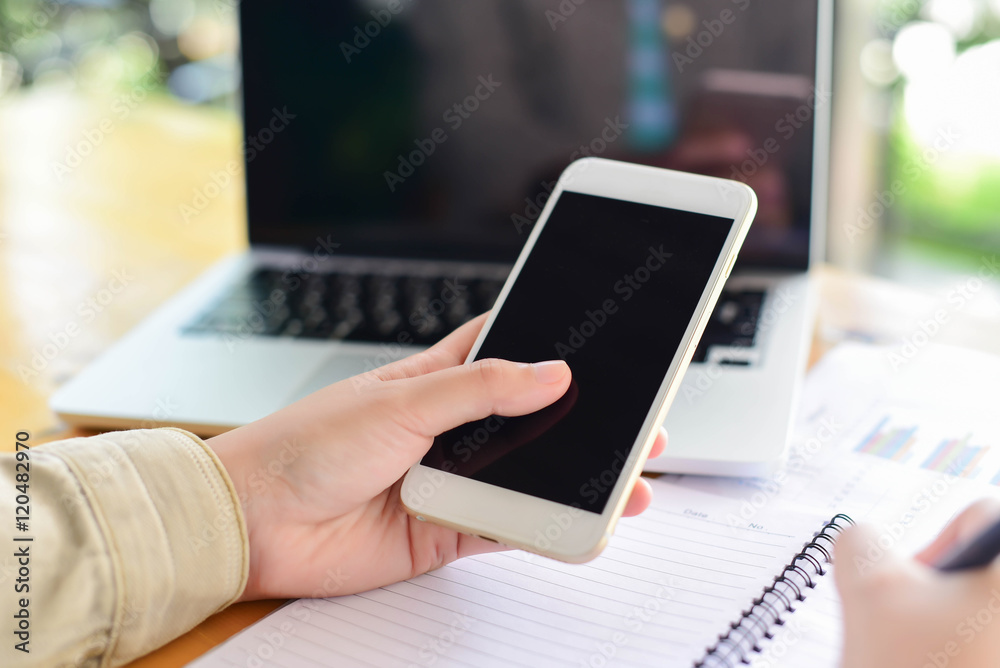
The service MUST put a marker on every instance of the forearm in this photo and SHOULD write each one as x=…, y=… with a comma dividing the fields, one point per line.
x=136, y=538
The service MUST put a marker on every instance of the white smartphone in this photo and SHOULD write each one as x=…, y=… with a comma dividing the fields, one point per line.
x=618, y=277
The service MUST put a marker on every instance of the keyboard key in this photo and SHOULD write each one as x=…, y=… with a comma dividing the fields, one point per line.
x=733, y=323
x=353, y=307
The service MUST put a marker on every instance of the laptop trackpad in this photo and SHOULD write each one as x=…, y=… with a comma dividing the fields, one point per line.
x=344, y=364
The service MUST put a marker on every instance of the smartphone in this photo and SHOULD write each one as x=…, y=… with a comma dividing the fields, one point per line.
x=618, y=277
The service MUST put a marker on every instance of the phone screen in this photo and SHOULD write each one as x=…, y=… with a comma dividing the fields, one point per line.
x=610, y=286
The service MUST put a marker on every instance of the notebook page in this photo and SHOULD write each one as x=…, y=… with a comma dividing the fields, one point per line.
x=903, y=449
x=811, y=636
x=665, y=588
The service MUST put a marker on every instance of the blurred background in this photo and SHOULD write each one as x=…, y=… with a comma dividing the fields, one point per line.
x=916, y=158
x=920, y=65
x=188, y=47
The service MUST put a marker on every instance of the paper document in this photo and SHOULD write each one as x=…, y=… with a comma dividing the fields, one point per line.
x=658, y=596
x=901, y=445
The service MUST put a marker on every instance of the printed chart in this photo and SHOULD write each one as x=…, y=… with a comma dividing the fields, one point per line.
x=958, y=451
x=894, y=444
x=956, y=457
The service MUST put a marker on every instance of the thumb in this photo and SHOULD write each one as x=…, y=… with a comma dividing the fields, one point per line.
x=961, y=529
x=860, y=551
x=446, y=399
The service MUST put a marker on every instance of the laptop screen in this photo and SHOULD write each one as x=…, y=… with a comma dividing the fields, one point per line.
x=436, y=128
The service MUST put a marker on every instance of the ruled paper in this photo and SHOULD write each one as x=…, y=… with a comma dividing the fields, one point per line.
x=665, y=588
x=811, y=636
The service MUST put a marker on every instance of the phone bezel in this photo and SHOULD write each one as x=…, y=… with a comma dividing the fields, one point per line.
x=546, y=527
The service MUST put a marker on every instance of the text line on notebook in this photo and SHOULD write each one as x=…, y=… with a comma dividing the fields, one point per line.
x=661, y=594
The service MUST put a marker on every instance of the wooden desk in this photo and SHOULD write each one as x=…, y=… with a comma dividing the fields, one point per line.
x=119, y=209
x=61, y=239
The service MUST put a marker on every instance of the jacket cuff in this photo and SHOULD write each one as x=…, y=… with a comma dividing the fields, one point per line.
x=174, y=529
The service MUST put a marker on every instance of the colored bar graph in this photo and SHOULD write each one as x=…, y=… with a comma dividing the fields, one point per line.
x=891, y=444
x=955, y=457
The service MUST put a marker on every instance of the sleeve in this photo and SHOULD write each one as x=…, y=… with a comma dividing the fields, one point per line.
x=133, y=538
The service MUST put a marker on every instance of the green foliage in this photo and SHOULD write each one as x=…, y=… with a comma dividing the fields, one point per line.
x=953, y=201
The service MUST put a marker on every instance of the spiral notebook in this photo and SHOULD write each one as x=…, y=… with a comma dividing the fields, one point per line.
x=759, y=622
x=696, y=580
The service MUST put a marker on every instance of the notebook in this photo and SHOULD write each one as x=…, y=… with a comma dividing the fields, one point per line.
x=688, y=581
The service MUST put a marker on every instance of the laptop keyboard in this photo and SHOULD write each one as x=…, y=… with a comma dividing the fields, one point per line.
x=408, y=309
x=348, y=306
x=733, y=325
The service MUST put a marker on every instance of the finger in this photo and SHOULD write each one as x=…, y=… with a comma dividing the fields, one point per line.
x=858, y=554
x=642, y=496
x=448, y=352
x=472, y=545
x=966, y=526
x=510, y=439
x=456, y=346
x=659, y=445
x=434, y=403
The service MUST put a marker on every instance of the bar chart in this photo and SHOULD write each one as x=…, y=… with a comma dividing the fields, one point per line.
x=894, y=444
x=956, y=457
x=906, y=438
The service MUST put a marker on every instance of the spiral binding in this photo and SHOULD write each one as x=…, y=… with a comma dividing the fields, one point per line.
x=743, y=638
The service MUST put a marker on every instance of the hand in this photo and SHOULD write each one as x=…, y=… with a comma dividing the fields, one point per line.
x=901, y=612
x=319, y=480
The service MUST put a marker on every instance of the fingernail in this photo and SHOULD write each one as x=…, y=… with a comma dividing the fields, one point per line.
x=548, y=373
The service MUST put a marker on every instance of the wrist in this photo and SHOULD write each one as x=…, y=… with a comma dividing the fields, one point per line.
x=236, y=449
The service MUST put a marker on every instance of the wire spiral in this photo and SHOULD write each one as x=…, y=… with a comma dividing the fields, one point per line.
x=743, y=638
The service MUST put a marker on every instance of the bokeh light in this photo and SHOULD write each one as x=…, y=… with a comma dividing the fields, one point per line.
x=172, y=17
x=923, y=50
x=959, y=16
x=100, y=46
x=877, y=65
x=963, y=98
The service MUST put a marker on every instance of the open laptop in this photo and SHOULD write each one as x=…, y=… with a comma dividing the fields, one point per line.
x=397, y=154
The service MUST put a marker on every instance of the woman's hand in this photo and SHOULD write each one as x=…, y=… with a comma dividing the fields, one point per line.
x=319, y=480
x=902, y=612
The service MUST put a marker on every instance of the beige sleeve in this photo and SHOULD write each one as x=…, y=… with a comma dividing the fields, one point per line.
x=136, y=538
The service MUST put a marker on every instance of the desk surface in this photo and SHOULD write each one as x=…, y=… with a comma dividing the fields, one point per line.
x=69, y=220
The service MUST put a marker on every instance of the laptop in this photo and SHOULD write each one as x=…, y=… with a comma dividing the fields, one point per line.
x=396, y=156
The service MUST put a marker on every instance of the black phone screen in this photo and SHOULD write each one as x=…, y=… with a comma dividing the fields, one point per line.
x=610, y=286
